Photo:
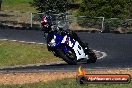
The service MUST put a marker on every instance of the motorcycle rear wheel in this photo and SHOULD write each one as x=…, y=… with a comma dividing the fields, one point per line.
x=92, y=57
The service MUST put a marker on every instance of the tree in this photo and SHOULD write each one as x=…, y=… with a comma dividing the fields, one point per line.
x=0, y=4
x=56, y=5
x=130, y=10
x=105, y=8
x=44, y=5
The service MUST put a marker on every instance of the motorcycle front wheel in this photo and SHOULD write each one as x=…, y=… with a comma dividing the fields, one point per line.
x=69, y=56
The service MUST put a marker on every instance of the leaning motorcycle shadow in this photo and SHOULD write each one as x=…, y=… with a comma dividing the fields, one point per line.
x=65, y=66
x=57, y=66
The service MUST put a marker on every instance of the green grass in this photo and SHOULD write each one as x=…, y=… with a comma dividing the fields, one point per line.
x=18, y=5
x=67, y=83
x=13, y=53
x=16, y=1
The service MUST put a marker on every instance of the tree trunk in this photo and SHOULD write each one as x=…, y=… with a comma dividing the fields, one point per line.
x=0, y=4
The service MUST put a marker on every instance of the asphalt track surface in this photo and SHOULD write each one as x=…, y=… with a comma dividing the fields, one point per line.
x=117, y=46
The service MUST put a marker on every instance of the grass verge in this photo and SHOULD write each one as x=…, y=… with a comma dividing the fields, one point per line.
x=14, y=53
x=67, y=83
x=18, y=5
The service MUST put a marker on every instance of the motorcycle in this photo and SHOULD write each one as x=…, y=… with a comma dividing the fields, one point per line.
x=64, y=44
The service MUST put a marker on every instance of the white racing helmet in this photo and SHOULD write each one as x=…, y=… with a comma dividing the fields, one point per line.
x=63, y=24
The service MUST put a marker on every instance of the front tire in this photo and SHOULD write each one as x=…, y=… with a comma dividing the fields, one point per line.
x=72, y=60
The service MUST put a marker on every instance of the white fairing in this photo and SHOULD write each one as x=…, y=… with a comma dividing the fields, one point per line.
x=77, y=48
x=79, y=52
x=64, y=39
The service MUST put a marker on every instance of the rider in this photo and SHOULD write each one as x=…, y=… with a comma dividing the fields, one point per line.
x=46, y=23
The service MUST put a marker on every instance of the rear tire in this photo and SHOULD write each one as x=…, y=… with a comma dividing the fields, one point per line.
x=92, y=57
x=66, y=58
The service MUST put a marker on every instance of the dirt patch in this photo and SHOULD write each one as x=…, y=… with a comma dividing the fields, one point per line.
x=22, y=78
